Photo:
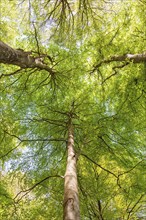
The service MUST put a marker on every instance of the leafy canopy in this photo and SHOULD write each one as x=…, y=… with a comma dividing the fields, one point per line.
x=108, y=115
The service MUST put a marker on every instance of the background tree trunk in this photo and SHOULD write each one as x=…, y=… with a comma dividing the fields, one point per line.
x=71, y=200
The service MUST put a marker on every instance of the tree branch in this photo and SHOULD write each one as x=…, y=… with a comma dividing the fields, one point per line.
x=11, y=74
x=135, y=58
x=23, y=59
x=25, y=192
x=29, y=140
x=108, y=171
x=130, y=211
x=37, y=139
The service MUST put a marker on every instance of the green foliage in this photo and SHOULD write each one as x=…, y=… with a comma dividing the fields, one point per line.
x=108, y=113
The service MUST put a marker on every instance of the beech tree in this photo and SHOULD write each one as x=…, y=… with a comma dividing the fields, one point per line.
x=73, y=77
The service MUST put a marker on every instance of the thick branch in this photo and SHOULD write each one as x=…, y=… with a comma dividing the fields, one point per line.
x=21, y=58
x=135, y=58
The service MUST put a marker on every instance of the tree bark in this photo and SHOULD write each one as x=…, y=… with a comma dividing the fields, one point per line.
x=135, y=58
x=100, y=210
x=71, y=200
x=21, y=58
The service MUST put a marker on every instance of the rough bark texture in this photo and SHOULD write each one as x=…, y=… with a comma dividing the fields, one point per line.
x=71, y=200
x=20, y=58
x=135, y=58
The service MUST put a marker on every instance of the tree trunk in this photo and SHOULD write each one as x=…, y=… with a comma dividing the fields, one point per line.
x=100, y=210
x=71, y=200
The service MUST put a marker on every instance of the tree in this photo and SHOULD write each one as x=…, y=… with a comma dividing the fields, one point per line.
x=75, y=86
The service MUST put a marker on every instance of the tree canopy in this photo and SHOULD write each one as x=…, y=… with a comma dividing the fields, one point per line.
x=73, y=73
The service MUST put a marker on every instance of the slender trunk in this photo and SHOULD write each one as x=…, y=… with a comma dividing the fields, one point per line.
x=100, y=210
x=71, y=200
